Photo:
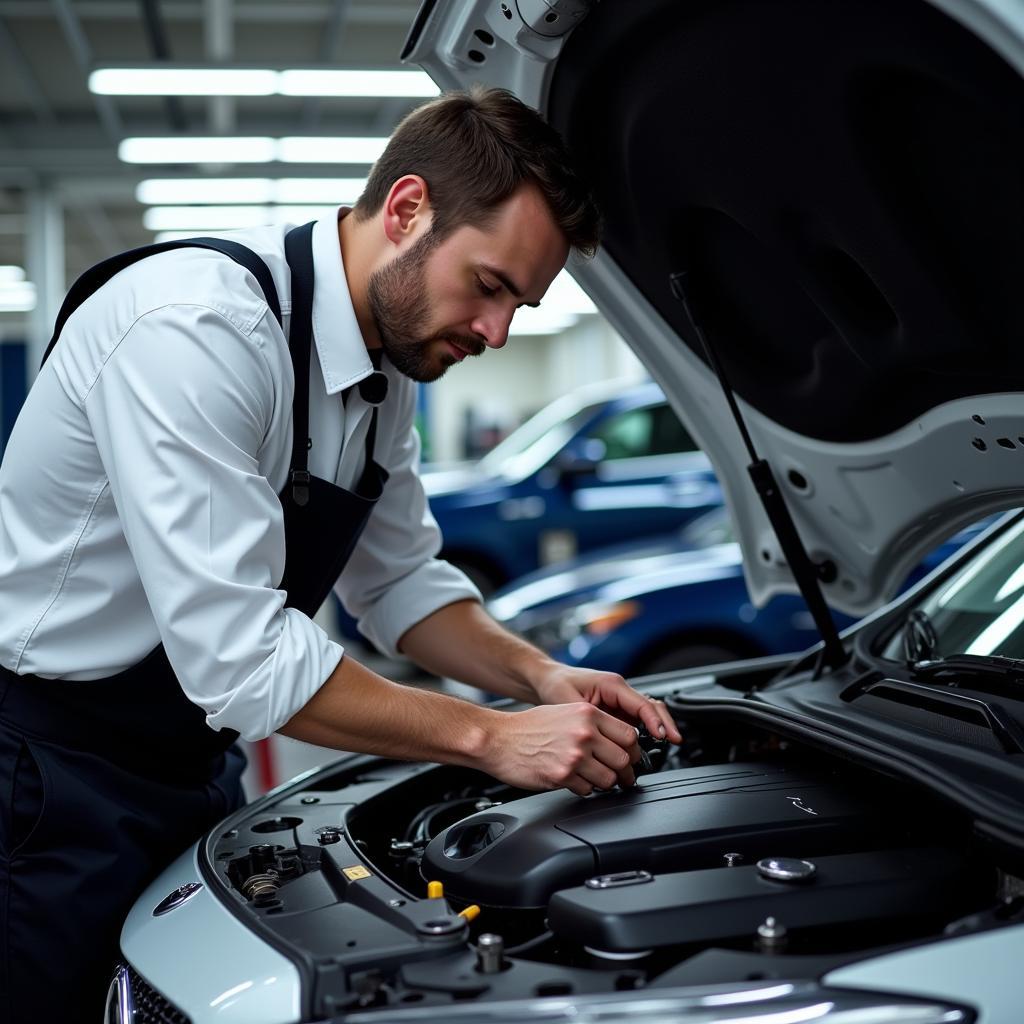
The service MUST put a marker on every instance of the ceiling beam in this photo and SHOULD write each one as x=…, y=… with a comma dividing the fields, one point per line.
x=313, y=107
x=156, y=36
x=219, y=43
x=76, y=39
x=33, y=91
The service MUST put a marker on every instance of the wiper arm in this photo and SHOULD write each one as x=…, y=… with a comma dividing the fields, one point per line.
x=972, y=665
x=919, y=638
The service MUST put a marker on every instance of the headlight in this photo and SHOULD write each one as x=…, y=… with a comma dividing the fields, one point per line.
x=594, y=619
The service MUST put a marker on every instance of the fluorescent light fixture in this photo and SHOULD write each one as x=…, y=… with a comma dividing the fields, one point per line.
x=220, y=81
x=168, y=191
x=17, y=296
x=154, y=81
x=11, y=275
x=329, y=150
x=324, y=149
x=197, y=150
x=337, y=82
x=172, y=191
x=227, y=218
x=340, y=191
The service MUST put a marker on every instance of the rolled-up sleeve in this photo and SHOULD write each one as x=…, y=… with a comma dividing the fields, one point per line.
x=202, y=521
x=394, y=578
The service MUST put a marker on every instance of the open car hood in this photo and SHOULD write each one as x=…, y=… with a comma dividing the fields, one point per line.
x=841, y=183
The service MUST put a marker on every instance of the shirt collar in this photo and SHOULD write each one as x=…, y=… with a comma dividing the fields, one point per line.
x=344, y=358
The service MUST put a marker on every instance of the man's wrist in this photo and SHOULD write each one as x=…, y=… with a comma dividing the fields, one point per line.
x=474, y=745
x=528, y=671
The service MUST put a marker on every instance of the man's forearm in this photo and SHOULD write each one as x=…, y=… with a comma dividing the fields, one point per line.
x=360, y=711
x=463, y=642
x=573, y=745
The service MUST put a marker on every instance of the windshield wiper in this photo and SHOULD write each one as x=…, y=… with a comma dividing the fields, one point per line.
x=919, y=638
x=971, y=666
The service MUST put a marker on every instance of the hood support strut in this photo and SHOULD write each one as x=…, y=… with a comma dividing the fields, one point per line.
x=804, y=571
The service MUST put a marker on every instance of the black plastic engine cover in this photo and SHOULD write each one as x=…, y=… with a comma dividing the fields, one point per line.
x=673, y=821
x=724, y=903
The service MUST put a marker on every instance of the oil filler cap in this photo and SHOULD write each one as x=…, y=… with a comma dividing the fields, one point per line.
x=786, y=869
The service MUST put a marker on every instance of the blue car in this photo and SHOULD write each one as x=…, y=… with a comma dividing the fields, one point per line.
x=603, y=462
x=600, y=464
x=673, y=602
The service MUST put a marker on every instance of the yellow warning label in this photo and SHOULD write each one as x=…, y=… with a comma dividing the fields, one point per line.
x=353, y=874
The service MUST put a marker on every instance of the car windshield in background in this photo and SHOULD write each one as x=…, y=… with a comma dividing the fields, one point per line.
x=531, y=445
x=980, y=609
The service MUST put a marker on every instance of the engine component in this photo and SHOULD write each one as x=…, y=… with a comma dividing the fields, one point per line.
x=522, y=853
x=490, y=953
x=728, y=903
x=261, y=886
x=786, y=869
x=771, y=935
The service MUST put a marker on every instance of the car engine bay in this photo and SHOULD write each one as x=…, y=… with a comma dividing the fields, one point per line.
x=740, y=856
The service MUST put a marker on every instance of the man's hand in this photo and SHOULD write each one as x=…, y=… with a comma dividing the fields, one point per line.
x=575, y=746
x=561, y=684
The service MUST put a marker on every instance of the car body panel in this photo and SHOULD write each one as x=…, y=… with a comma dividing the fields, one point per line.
x=240, y=978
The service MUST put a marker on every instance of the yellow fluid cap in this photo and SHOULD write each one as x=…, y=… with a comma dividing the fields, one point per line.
x=471, y=913
x=435, y=890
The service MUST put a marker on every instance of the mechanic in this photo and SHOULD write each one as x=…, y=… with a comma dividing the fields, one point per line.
x=182, y=491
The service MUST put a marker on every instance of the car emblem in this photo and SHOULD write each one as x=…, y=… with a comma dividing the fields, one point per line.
x=176, y=898
x=799, y=804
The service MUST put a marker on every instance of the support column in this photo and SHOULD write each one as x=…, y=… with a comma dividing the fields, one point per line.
x=44, y=252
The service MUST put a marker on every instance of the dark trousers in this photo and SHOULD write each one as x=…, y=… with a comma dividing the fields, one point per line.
x=80, y=837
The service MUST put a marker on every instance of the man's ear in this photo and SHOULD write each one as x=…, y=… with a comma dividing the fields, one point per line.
x=406, y=212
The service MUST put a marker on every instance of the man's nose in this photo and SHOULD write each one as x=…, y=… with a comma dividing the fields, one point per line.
x=493, y=327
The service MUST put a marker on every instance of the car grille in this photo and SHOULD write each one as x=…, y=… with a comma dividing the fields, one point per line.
x=151, y=1007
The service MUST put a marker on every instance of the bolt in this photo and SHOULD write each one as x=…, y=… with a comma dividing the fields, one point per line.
x=490, y=953
x=771, y=933
x=310, y=800
x=399, y=846
x=732, y=859
x=328, y=834
x=396, y=903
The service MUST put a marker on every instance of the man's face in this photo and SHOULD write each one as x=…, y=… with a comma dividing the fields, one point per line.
x=435, y=304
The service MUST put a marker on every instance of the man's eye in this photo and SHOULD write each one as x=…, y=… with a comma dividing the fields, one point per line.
x=484, y=289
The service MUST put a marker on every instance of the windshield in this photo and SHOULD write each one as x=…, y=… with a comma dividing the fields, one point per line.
x=530, y=446
x=980, y=609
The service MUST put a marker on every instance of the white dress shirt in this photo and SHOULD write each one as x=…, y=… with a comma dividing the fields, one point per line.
x=138, y=492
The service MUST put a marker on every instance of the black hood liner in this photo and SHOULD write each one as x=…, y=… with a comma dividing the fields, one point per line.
x=841, y=178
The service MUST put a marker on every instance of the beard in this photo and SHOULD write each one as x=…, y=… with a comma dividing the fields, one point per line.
x=397, y=295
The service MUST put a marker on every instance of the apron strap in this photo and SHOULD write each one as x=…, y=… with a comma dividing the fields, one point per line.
x=94, y=278
x=298, y=251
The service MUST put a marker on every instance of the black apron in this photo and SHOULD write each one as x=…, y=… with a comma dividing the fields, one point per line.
x=103, y=783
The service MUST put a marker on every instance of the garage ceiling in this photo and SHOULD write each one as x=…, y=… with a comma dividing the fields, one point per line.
x=57, y=138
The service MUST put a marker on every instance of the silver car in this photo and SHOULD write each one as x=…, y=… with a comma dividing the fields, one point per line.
x=814, y=240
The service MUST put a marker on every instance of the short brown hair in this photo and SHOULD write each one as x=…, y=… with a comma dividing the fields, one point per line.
x=474, y=149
